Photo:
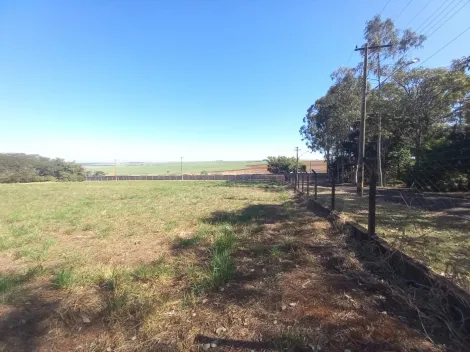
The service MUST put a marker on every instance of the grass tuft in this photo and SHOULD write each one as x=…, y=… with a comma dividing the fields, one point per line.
x=64, y=278
x=222, y=264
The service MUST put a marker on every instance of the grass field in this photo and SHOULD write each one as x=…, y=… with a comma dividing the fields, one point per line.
x=172, y=167
x=178, y=266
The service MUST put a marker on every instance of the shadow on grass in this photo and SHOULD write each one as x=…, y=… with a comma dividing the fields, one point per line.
x=339, y=302
x=55, y=316
x=438, y=239
x=22, y=328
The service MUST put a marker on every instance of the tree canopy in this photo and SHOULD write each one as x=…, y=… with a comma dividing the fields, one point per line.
x=17, y=167
x=418, y=116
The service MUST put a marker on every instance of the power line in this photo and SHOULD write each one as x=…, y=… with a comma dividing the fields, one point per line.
x=409, y=3
x=439, y=21
x=427, y=19
x=383, y=8
x=458, y=10
x=442, y=14
x=445, y=46
x=430, y=57
x=418, y=13
x=350, y=56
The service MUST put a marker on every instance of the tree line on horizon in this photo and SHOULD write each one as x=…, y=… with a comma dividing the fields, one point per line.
x=417, y=121
x=21, y=168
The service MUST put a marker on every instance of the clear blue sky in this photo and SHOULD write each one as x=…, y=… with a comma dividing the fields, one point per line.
x=157, y=79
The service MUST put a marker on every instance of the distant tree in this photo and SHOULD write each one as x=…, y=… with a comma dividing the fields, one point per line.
x=204, y=172
x=281, y=164
x=99, y=173
x=17, y=167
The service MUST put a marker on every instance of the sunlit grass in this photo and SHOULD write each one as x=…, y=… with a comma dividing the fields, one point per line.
x=82, y=234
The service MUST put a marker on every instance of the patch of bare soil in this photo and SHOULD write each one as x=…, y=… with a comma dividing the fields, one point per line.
x=316, y=165
x=251, y=169
x=298, y=285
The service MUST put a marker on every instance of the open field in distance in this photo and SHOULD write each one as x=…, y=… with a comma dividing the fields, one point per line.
x=195, y=167
x=172, y=266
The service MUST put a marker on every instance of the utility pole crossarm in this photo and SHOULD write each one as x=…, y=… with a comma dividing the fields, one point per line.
x=373, y=47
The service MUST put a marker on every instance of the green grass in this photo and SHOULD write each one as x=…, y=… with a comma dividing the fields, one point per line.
x=222, y=265
x=75, y=230
x=172, y=168
x=151, y=270
x=63, y=278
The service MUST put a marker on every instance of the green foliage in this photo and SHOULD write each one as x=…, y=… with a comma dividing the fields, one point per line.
x=282, y=164
x=203, y=172
x=411, y=121
x=34, y=168
x=444, y=166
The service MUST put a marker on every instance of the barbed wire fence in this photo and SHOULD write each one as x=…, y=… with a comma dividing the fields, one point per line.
x=426, y=215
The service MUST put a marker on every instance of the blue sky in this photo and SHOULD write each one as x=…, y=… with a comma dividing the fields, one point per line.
x=204, y=79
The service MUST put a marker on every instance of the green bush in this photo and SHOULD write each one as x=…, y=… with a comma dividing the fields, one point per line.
x=453, y=182
x=22, y=168
x=283, y=165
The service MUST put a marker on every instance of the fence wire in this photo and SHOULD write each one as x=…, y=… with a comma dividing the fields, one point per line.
x=427, y=216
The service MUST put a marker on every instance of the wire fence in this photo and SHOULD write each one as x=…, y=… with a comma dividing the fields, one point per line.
x=241, y=178
x=427, y=216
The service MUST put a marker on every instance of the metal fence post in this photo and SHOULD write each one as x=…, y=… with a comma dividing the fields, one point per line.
x=333, y=193
x=372, y=199
x=303, y=179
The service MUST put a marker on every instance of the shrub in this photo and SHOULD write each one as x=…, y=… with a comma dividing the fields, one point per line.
x=282, y=164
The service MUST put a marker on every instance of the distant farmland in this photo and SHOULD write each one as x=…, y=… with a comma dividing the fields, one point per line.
x=211, y=167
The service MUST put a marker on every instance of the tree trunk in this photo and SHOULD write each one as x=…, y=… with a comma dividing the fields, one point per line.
x=327, y=160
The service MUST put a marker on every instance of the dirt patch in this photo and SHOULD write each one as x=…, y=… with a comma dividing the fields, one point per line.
x=316, y=165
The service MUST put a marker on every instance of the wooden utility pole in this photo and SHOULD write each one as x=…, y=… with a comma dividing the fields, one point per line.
x=379, y=135
x=362, y=130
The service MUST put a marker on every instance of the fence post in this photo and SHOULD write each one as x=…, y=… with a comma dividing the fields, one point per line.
x=372, y=199
x=303, y=179
x=308, y=181
x=315, y=179
x=333, y=193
